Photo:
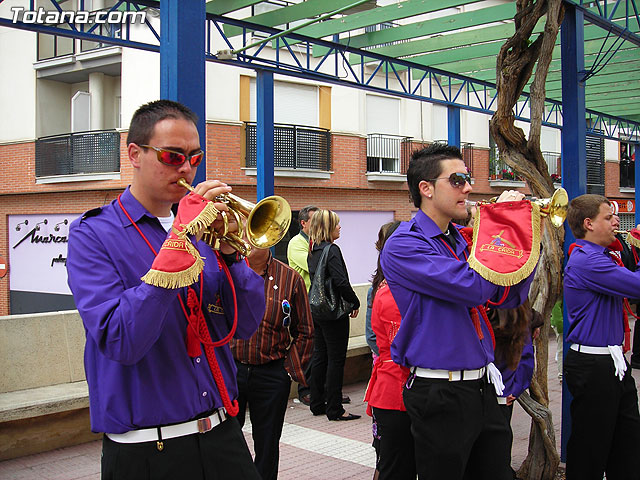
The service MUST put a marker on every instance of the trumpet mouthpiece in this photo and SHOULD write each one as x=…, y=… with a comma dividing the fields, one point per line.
x=183, y=183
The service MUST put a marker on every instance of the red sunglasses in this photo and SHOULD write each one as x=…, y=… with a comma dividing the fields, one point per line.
x=176, y=159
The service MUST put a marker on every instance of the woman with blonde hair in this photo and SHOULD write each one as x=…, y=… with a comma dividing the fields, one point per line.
x=331, y=336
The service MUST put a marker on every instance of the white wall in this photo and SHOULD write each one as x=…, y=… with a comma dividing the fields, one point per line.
x=223, y=92
x=54, y=107
x=17, y=81
x=550, y=139
x=111, y=93
x=474, y=128
x=347, y=110
x=140, y=81
x=611, y=151
x=439, y=129
x=410, y=119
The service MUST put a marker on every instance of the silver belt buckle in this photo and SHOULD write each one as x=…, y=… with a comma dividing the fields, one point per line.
x=204, y=425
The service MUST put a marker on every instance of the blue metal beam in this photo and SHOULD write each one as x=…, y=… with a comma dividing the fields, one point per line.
x=453, y=124
x=379, y=73
x=264, y=133
x=637, y=176
x=182, y=62
x=574, y=148
x=602, y=13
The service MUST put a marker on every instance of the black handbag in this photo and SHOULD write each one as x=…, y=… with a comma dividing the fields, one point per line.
x=325, y=300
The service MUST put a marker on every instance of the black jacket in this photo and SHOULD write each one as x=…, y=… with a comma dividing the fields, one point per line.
x=337, y=270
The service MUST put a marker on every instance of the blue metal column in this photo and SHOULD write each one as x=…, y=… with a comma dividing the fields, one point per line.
x=182, y=61
x=453, y=126
x=636, y=178
x=264, y=133
x=574, y=151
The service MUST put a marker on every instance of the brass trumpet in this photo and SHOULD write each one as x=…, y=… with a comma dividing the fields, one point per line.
x=266, y=222
x=554, y=207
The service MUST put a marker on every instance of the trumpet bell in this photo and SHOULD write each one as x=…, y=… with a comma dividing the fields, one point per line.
x=268, y=222
x=555, y=207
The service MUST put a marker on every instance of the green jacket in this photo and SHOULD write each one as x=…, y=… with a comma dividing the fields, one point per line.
x=556, y=317
x=297, y=253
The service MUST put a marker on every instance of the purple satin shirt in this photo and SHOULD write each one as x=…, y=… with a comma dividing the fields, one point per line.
x=594, y=287
x=136, y=361
x=434, y=292
x=518, y=380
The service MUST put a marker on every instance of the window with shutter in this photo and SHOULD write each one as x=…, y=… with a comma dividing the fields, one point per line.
x=595, y=165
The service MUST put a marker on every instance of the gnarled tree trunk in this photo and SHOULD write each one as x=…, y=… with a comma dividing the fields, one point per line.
x=516, y=61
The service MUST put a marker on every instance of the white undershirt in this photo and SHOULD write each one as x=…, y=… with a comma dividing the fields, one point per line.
x=167, y=221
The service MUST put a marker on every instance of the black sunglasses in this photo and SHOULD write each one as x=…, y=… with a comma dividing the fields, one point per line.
x=176, y=159
x=457, y=180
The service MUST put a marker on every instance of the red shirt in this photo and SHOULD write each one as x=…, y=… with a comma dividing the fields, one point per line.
x=387, y=378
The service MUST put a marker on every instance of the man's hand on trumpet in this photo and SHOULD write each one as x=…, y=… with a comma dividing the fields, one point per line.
x=510, y=196
x=210, y=190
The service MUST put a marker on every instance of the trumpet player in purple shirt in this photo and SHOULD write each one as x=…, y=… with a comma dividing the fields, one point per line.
x=156, y=399
x=605, y=424
x=458, y=429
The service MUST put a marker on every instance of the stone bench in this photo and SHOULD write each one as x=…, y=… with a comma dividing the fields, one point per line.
x=44, y=402
x=44, y=418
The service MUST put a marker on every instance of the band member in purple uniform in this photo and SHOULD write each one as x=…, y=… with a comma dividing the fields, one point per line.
x=605, y=424
x=445, y=338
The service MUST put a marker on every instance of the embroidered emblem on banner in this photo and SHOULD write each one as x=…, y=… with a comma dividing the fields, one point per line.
x=502, y=246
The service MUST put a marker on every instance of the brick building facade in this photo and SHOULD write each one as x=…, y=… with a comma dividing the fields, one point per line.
x=347, y=187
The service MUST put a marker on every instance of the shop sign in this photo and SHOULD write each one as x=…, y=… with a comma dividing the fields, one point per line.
x=38, y=252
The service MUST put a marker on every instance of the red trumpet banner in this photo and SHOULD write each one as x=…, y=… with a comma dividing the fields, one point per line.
x=178, y=264
x=633, y=238
x=506, y=241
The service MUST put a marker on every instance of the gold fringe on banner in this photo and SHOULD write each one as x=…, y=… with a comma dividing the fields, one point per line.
x=180, y=279
x=511, y=278
x=205, y=218
x=633, y=241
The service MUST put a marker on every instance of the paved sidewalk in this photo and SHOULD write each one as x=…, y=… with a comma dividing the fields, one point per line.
x=312, y=448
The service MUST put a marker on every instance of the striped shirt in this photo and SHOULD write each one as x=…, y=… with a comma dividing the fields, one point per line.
x=273, y=340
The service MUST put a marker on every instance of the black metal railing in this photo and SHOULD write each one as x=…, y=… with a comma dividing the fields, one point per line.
x=294, y=146
x=96, y=151
x=388, y=153
x=467, y=151
x=468, y=156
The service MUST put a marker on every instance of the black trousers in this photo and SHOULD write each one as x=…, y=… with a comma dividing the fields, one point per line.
x=302, y=390
x=395, y=450
x=219, y=454
x=635, y=349
x=605, y=424
x=329, y=354
x=458, y=430
x=265, y=389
